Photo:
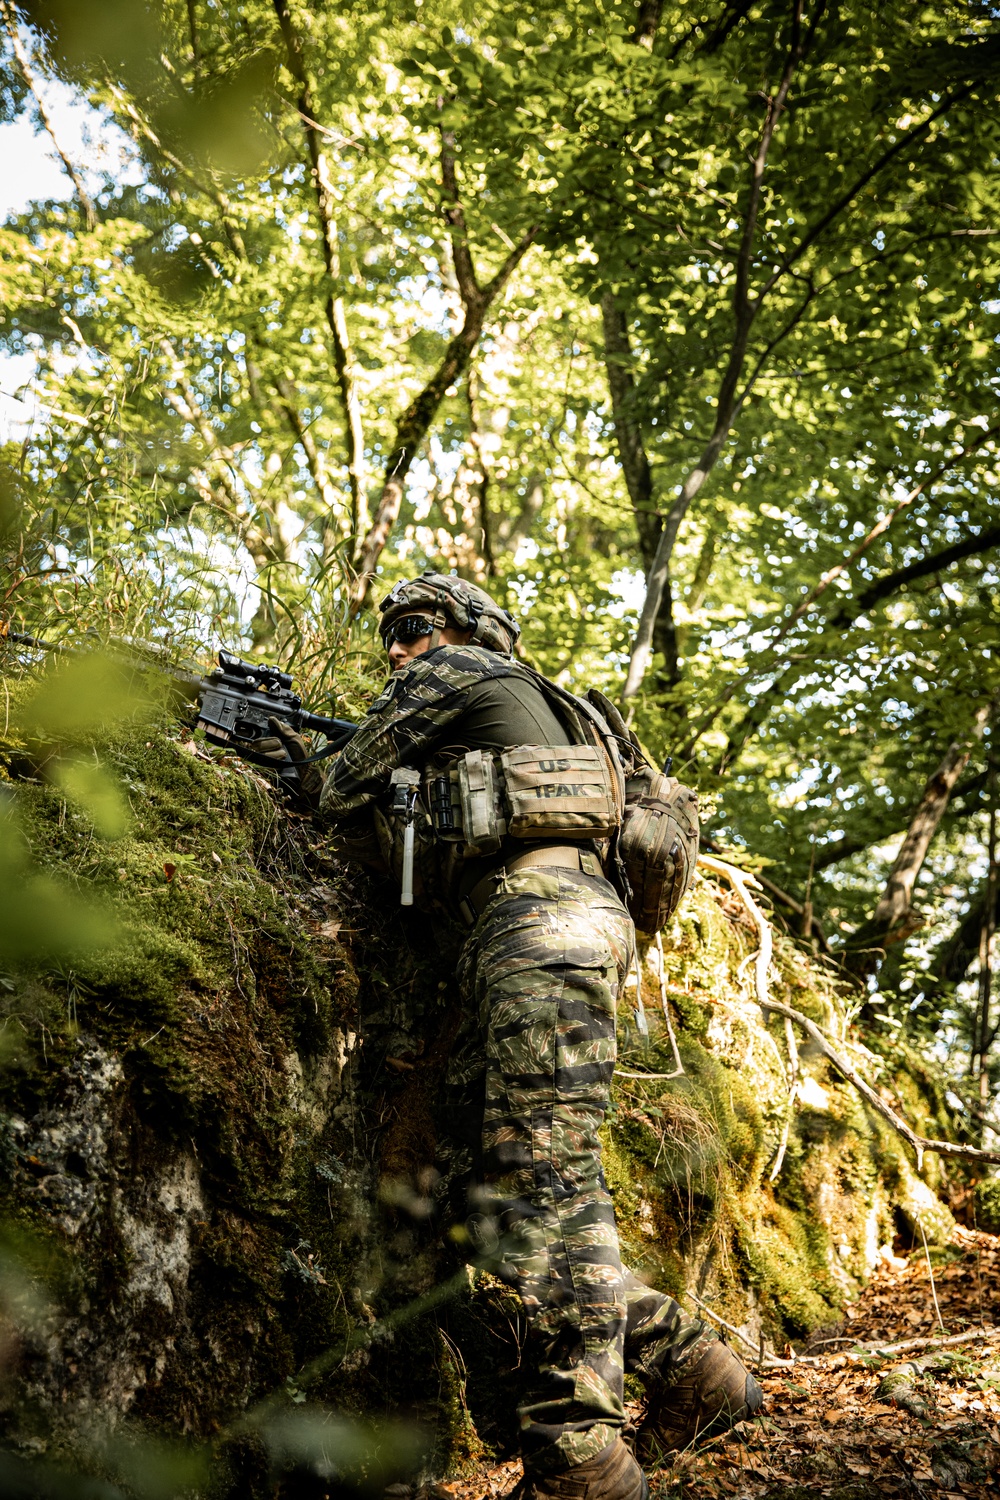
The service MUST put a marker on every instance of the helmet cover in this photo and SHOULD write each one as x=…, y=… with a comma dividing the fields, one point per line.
x=463, y=605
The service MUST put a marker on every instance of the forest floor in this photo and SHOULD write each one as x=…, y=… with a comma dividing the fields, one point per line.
x=844, y=1424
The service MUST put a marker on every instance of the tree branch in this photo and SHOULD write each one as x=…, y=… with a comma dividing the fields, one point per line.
x=893, y=918
x=314, y=458
x=336, y=316
x=642, y=646
x=847, y=197
x=631, y=450
x=27, y=72
x=264, y=542
x=141, y=129
x=759, y=709
x=964, y=803
x=954, y=957
x=897, y=898
x=934, y=562
x=479, y=449
x=647, y=23
x=745, y=309
x=879, y=529
x=413, y=425
x=512, y=531
x=461, y=257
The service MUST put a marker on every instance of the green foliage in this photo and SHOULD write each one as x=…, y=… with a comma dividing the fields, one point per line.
x=988, y=1204
x=287, y=271
x=192, y=473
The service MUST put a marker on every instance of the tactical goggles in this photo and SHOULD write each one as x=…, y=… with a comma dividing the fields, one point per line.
x=407, y=629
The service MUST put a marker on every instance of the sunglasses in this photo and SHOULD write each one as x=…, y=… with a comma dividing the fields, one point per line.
x=406, y=630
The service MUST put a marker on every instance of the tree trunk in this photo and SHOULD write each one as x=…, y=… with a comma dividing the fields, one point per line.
x=894, y=918
x=984, y=1033
x=415, y=422
x=631, y=451
x=730, y=399
x=27, y=73
x=344, y=363
x=897, y=898
x=638, y=476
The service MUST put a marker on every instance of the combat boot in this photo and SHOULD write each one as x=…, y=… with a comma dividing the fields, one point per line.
x=612, y=1475
x=713, y=1394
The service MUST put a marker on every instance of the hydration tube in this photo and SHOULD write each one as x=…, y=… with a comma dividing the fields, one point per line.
x=405, y=784
x=406, y=893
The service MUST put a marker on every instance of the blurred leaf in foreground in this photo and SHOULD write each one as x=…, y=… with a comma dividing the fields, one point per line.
x=153, y=1470
x=41, y=917
x=94, y=789
x=81, y=694
x=26, y=1265
x=363, y=1456
x=20, y=1479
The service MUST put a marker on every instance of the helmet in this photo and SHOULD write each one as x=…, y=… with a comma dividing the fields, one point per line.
x=453, y=601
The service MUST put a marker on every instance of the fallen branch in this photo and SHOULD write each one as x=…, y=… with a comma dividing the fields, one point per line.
x=768, y=1359
x=919, y=1143
x=858, y=1352
x=930, y=1273
x=740, y=881
x=631, y=1073
x=793, y=1087
x=952, y=1342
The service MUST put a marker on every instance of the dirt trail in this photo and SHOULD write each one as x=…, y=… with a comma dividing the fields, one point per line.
x=923, y=1423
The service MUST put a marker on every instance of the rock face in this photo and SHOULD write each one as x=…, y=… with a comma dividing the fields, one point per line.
x=218, y=1124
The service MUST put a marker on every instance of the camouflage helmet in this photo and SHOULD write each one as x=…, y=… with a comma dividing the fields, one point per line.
x=452, y=601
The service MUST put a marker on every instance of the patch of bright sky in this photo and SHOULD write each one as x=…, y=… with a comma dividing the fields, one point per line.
x=630, y=587
x=33, y=173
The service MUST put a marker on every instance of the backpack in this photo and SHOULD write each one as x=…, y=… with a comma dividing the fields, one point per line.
x=658, y=840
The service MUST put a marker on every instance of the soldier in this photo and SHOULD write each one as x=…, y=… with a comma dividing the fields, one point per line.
x=548, y=947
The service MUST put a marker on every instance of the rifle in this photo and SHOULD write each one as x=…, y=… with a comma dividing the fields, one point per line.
x=238, y=697
x=234, y=701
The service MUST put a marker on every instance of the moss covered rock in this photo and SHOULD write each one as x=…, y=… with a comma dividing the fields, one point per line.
x=218, y=1121
x=767, y=1195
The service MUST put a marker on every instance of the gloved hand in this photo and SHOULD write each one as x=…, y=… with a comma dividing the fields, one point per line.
x=278, y=749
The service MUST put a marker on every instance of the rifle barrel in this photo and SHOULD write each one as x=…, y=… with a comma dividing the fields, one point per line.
x=333, y=728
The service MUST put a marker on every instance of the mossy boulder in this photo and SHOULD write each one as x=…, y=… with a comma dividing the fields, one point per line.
x=217, y=1119
x=770, y=1198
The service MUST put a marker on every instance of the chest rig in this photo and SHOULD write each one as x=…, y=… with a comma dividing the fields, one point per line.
x=473, y=805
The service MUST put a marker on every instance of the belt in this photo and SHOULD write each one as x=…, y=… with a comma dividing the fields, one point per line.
x=552, y=856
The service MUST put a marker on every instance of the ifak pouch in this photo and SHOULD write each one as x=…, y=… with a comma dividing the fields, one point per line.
x=562, y=791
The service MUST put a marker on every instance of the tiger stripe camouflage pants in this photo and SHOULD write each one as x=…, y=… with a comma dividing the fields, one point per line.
x=540, y=975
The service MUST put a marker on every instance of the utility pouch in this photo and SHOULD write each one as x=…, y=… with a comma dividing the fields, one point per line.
x=444, y=801
x=483, y=824
x=562, y=791
x=658, y=845
x=405, y=788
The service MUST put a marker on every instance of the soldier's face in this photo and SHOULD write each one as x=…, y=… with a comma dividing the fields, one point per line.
x=402, y=652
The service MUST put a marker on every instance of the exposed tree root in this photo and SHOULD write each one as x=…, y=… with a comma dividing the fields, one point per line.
x=741, y=881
